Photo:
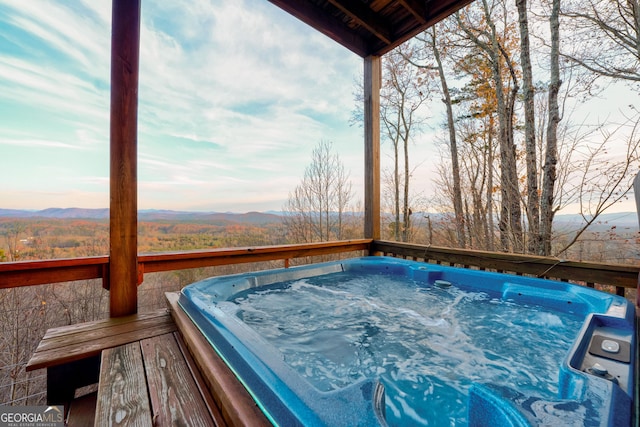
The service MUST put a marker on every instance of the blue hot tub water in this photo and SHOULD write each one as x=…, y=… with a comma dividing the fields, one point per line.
x=385, y=341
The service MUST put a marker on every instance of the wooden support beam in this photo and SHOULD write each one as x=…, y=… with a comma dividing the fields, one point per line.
x=123, y=231
x=372, y=84
x=364, y=16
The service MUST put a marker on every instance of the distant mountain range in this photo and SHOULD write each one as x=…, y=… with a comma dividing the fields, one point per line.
x=621, y=220
x=145, y=215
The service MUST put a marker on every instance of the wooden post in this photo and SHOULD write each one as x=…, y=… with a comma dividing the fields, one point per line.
x=372, y=83
x=123, y=231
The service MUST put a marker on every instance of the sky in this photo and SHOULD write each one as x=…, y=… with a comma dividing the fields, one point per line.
x=233, y=97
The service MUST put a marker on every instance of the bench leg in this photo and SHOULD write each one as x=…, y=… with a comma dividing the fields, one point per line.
x=63, y=380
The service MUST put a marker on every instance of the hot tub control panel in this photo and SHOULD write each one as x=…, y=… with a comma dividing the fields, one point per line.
x=608, y=356
x=605, y=349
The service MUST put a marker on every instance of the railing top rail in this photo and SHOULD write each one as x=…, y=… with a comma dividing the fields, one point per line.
x=502, y=256
x=620, y=275
x=52, y=263
x=28, y=273
x=150, y=257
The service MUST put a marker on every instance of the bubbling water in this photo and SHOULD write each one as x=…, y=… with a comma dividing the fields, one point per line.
x=426, y=344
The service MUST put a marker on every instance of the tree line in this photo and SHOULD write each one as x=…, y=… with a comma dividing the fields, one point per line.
x=513, y=153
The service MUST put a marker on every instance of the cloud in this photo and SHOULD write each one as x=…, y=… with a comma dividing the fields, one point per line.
x=37, y=143
x=233, y=95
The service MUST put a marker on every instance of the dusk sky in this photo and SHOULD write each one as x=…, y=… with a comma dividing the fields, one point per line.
x=234, y=95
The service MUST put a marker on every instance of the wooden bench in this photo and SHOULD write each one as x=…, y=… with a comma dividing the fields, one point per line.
x=71, y=354
x=151, y=369
x=145, y=374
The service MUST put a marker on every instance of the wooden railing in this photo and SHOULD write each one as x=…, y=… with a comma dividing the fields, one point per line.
x=27, y=273
x=588, y=273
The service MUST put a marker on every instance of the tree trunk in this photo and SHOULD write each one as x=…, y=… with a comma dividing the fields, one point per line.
x=533, y=202
x=406, y=210
x=508, y=175
x=396, y=179
x=551, y=157
x=489, y=225
x=455, y=167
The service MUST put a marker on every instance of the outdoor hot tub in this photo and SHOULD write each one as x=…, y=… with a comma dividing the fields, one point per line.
x=385, y=341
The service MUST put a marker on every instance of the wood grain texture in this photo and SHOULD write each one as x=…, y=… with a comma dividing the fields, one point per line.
x=237, y=406
x=75, y=342
x=122, y=393
x=175, y=398
x=29, y=273
x=214, y=411
x=372, y=83
x=82, y=411
x=123, y=211
x=81, y=328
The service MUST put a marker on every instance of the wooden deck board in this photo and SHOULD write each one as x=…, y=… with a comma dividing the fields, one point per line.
x=174, y=395
x=122, y=393
x=149, y=372
x=214, y=411
x=111, y=328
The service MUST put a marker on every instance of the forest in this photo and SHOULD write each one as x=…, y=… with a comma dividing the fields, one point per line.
x=503, y=89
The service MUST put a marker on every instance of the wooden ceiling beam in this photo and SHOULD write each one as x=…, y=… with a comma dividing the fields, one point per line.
x=436, y=10
x=364, y=16
x=326, y=23
x=416, y=8
x=439, y=10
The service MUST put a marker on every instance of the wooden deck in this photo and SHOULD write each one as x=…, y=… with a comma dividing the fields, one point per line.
x=153, y=369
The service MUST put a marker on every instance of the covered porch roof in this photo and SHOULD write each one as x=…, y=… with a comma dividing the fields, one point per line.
x=370, y=27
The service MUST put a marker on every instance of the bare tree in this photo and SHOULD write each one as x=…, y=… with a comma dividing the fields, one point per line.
x=533, y=203
x=551, y=157
x=12, y=233
x=431, y=49
x=483, y=33
x=605, y=37
x=316, y=209
x=404, y=90
x=604, y=179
